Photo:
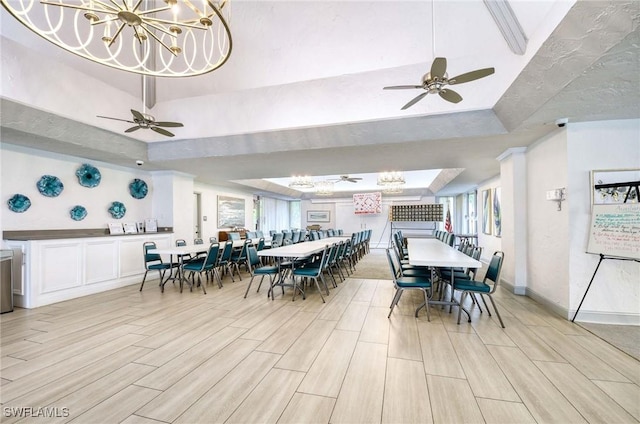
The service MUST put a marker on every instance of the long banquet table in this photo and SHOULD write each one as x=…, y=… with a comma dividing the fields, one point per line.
x=298, y=251
x=433, y=253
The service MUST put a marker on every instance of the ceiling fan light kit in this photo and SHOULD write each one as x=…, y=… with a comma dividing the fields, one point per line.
x=436, y=81
x=168, y=38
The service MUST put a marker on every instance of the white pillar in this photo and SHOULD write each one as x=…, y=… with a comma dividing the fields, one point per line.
x=513, y=178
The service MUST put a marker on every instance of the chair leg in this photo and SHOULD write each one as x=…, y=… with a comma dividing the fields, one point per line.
x=426, y=305
x=395, y=300
x=496, y=309
x=485, y=304
x=462, y=296
x=249, y=286
x=202, y=284
x=143, y=278
x=319, y=290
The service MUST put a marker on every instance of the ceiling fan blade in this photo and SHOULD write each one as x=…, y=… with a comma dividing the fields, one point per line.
x=162, y=131
x=414, y=100
x=137, y=115
x=450, y=95
x=116, y=119
x=132, y=129
x=168, y=124
x=401, y=87
x=439, y=67
x=471, y=76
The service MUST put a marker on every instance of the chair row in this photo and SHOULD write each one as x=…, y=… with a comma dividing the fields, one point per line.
x=445, y=237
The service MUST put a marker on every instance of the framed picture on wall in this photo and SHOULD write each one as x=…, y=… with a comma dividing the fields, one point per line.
x=613, y=186
x=230, y=212
x=318, y=216
x=486, y=211
x=497, y=212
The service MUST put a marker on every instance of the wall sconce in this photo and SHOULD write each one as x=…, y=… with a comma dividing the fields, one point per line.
x=557, y=195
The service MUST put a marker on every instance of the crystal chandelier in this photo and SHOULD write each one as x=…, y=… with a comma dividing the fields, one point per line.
x=166, y=38
x=324, y=188
x=390, y=178
x=302, y=181
x=392, y=188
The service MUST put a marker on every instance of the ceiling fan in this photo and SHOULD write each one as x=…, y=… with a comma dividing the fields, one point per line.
x=437, y=80
x=347, y=178
x=143, y=120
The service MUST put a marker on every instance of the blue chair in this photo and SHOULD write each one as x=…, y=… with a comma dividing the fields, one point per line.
x=153, y=262
x=202, y=265
x=313, y=270
x=224, y=263
x=467, y=286
x=403, y=283
x=234, y=236
x=255, y=268
x=239, y=257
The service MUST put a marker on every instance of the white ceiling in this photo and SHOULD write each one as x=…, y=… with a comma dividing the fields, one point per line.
x=302, y=91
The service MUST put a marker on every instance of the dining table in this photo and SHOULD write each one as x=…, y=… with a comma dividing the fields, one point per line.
x=180, y=252
x=433, y=253
x=297, y=251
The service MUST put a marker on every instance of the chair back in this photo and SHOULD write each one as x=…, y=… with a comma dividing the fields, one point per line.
x=226, y=252
x=198, y=241
x=252, y=258
x=259, y=234
x=212, y=256
x=340, y=232
x=494, y=269
x=180, y=242
x=150, y=257
x=392, y=267
x=234, y=236
x=213, y=239
x=277, y=238
x=260, y=244
x=296, y=237
x=303, y=236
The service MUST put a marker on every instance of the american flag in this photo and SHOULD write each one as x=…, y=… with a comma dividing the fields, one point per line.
x=447, y=223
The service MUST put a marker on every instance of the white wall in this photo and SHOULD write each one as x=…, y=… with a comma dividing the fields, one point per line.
x=23, y=167
x=209, y=205
x=615, y=293
x=548, y=232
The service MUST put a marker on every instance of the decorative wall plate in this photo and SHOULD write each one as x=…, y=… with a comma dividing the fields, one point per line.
x=88, y=175
x=50, y=186
x=78, y=213
x=19, y=203
x=117, y=210
x=138, y=189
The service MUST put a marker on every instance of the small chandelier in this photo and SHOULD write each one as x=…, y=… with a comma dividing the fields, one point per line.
x=392, y=189
x=390, y=178
x=302, y=181
x=165, y=38
x=324, y=188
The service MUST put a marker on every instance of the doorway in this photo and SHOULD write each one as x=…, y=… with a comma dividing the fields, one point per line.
x=197, y=216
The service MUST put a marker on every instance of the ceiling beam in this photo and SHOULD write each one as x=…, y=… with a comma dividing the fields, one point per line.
x=508, y=24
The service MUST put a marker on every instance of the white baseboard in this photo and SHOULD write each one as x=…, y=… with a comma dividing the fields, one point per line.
x=595, y=317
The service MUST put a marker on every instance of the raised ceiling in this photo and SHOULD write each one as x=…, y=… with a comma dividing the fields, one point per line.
x=302, y=92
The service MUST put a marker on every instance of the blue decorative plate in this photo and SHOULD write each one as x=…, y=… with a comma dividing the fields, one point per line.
x=78, y=213
x=19, y=203
x=88, y=175
x=117, y=210
x=50, y=186
x=138, y=189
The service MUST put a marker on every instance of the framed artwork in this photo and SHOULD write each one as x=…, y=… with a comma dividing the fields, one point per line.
x=497, y=212
x=230, y=212
x=486, y=211
x=615, y=186
x=318, y=216
x=367, y=203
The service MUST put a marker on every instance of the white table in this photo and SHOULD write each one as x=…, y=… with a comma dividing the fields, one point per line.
x=433, y=253
x=298, y=251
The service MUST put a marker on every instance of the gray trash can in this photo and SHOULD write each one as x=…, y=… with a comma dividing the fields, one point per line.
x=6, y=281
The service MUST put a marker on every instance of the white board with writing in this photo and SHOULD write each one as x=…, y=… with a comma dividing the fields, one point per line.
x=615, y=230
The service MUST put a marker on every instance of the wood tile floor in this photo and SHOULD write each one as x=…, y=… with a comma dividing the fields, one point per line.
x=131, y=357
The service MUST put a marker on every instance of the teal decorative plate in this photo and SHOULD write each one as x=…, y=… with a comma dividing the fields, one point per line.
x=138, y=189
x=88, y=176
x=50, y=186
x=19, y=203
x=78, y=213
x=117, y=210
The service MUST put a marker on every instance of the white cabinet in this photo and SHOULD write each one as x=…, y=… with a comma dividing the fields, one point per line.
x=62, y=269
